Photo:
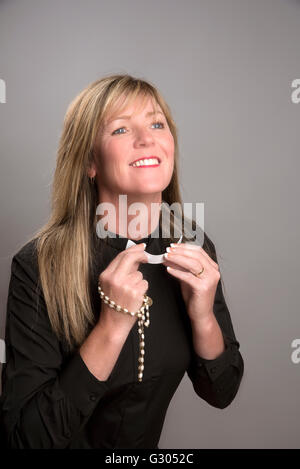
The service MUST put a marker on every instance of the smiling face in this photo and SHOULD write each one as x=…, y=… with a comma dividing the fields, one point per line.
x=123, y=140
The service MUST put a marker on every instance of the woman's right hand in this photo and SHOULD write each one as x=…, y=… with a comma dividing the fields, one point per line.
x=123, y=283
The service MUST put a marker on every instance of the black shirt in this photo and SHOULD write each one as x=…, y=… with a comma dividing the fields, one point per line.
x=50, y=399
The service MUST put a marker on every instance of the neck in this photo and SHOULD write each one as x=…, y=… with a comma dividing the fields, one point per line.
x=119, y=214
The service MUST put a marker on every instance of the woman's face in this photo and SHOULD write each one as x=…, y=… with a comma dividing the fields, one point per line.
x=122, y=141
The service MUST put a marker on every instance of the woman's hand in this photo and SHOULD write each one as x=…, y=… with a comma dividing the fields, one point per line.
x=198, y=292
x=125, y=285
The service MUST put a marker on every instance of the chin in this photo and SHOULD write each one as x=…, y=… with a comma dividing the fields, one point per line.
x=144, y=191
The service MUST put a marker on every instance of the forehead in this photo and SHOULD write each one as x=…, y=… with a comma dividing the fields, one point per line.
x=130, y=106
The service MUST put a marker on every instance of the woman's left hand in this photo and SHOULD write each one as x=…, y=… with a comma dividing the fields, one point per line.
x=198, y=292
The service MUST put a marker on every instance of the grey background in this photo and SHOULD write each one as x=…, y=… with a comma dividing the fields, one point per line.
x=225, y=67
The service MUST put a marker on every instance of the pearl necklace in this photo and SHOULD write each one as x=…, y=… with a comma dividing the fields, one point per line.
x=144, y=320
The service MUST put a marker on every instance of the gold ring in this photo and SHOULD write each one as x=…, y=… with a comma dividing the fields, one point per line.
x=199, y=273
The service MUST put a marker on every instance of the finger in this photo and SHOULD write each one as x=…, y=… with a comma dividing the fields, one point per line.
x=188, y=263
x=195, y=253
x=136, y=249
x=192, y=250
x=130, y=260
x=182, y=275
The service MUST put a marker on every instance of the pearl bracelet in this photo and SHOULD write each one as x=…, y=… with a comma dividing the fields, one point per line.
x=144, y=320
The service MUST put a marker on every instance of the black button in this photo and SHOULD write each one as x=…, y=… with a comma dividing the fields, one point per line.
x=219, y=389
x=213, y=369
x=93, y=397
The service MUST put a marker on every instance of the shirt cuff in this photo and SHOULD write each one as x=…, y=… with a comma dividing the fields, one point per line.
x=81, y=386
x=218, y=365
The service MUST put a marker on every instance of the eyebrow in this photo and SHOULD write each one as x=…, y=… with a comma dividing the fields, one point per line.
x=129, y=117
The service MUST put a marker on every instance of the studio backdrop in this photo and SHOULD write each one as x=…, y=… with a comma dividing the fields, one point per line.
x=230, y=71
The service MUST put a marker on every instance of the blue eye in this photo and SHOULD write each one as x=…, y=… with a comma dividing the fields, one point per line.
x=160, y=123
x=118, y=133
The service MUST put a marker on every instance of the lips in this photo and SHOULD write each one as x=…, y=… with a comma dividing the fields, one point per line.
x=145, y=158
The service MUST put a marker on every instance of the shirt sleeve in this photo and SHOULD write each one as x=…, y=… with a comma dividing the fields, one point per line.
x=45, y=399
x=217, y=381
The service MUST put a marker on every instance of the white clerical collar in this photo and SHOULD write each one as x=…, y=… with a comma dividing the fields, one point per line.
x=152, y=258
x=121, y=242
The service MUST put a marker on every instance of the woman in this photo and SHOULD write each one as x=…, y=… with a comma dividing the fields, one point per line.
x=79, y=373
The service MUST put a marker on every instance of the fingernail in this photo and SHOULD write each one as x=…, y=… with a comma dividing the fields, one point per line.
x=166, y=256
x=173, y=245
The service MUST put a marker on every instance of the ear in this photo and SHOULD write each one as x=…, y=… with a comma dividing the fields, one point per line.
x=92, y=168
x=92, y=171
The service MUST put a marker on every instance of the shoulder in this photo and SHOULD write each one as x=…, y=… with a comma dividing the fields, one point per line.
x=25, y=293
x=27, y=250
x=209, y=247
x=25, y=261
x=27, y=315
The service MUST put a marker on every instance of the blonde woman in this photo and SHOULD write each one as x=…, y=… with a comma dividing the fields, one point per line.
x=79, y=372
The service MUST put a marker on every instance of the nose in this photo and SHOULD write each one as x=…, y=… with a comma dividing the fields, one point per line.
x=143, y=137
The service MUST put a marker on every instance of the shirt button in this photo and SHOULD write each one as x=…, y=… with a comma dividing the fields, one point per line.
x=213, y=369
x=93, y=397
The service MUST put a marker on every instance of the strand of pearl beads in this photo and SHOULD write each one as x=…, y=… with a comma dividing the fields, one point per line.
x=144, y=320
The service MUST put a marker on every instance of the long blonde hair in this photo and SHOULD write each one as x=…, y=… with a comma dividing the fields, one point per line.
x=64, y=243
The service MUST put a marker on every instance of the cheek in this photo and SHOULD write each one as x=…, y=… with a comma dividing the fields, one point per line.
x=113, y=154
x=170, y=147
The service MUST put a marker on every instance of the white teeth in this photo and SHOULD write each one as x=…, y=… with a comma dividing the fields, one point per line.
x=147, y=162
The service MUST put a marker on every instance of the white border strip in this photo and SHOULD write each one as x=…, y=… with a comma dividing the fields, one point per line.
x=2, y=351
